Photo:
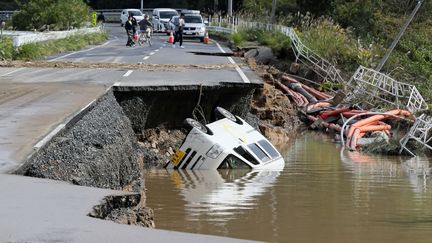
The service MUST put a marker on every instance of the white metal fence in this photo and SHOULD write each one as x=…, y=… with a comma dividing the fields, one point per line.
x=364, y=80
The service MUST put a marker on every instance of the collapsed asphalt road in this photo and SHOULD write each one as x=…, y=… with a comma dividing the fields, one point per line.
x=91, y=72
x=37, y=102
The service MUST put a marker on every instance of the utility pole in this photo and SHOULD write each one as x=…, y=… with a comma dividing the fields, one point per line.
x=230, y=9
x=399, y=35
x=273, y=12
x=216, y=6
x=142, y=5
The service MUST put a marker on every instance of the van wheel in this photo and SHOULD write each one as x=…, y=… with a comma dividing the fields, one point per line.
x=191, y=123
x=222, y=113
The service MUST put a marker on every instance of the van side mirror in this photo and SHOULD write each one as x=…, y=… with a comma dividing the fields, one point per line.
x=206, y=22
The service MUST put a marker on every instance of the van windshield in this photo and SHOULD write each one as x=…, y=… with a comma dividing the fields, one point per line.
x=167, y=15
x=135, y=13
x=193, y=19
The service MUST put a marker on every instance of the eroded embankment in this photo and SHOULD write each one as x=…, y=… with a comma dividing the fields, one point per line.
x=129, y=129
x=99, y=149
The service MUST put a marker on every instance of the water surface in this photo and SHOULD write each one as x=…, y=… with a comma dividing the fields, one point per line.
x=323, y=194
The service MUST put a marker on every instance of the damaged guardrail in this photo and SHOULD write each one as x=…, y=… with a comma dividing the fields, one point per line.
x=370, y=83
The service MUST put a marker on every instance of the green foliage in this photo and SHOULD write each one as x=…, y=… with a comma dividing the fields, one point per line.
x=238, y=38
x=6, y=49
x=278, y=42
x=57, y=14
x=356, y=14
x=40, y=50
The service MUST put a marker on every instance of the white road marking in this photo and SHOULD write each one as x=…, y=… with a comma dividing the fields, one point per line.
x=16, y=70
x=152, y=53
x=158, y=49
x=116, y=84
x=57, y=58
x=237, y=68
x=127, y=73
x=146, y=57
x=49, y=136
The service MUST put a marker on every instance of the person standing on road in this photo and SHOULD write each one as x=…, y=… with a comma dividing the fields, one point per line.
x=179, y=31
x=129, y=27
x=101, y=20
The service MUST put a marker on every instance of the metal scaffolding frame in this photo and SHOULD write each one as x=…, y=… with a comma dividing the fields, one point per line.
x=421, y=132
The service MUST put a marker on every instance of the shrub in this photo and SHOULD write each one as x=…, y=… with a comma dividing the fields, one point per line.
x=40, y=50
x=57, y=14
x=278, y=42
x=238, y=38
x=339, y=46
x=6, y=49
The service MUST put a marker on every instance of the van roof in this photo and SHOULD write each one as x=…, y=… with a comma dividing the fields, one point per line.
x=192, y=12
x=165, y=9
x=230, y=134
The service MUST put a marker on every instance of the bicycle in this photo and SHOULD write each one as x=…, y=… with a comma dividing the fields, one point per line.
x=145, y=37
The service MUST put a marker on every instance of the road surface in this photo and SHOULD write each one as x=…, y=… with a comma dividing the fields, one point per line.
x=36, y=102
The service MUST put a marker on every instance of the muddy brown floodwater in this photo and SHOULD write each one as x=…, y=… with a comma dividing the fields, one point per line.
x=322, y=195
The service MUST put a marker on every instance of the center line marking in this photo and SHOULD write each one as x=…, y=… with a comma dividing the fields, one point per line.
x=14, y=71
x=152, y=53
x=127, y=73
x=157, y=49
x=146, y=57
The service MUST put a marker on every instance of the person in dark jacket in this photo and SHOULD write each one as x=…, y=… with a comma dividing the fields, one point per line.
x=101, y=18
x=130, y=30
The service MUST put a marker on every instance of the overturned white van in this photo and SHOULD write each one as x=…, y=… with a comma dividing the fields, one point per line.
x=227, y=143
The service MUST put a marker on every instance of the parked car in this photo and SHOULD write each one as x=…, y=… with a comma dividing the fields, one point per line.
x=227, y=143
x=136, y=13
x=194, y=25
x=161, y=16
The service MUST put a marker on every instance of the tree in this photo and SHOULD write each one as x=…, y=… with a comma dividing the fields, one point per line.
x=57, y=14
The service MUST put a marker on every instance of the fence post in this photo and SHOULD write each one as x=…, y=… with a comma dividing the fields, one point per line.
x=3, y=24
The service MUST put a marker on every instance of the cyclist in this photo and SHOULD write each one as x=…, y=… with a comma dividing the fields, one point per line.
x=145, y=29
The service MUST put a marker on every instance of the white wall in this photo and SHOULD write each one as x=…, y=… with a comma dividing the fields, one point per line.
x=23, y=37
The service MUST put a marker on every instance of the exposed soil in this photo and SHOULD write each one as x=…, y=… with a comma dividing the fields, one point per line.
x=278, y=119
x=157, y=145
x=138, y=66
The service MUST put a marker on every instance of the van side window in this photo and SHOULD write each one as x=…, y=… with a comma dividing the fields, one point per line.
x=269, y=148
x=258, y=152
x=232, y=162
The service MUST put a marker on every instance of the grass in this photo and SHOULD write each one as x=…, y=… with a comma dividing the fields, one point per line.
x=6, y=49
x=278, y=42
x=40, y=50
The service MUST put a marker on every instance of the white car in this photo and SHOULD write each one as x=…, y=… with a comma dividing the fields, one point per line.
x=161, y=16
x=194, y=26
x=136, y=13
x=227, y=143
